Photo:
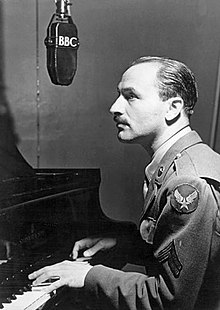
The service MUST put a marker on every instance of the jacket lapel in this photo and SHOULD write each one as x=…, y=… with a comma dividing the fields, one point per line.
x=151, y=209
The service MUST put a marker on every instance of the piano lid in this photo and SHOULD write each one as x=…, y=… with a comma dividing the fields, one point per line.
x=45, y=183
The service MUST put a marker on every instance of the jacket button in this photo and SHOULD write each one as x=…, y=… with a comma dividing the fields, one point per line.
x=160, y=171
x=178, y=155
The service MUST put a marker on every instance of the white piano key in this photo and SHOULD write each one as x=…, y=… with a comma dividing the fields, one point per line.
x=30, y=300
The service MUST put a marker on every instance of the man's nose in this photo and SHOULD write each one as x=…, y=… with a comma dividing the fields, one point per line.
x=118, y=106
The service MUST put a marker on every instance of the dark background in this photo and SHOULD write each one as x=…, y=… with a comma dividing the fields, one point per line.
x=75, y=128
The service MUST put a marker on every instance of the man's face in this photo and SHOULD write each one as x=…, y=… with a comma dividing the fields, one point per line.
x=139, y=112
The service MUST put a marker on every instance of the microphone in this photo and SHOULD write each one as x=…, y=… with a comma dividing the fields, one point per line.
x=62, y=44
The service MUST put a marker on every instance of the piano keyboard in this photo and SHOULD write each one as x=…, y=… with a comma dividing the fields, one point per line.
x=30, y=300
x=16, y=291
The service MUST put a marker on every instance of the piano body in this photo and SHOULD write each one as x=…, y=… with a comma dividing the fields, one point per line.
x=41, y=216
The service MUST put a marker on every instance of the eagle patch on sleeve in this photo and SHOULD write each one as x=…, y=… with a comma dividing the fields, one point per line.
x=184, y=198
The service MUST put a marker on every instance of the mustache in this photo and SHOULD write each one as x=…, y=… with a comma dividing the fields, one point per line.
x=120, y=120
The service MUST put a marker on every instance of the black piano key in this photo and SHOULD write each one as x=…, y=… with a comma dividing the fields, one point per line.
x=5, y=295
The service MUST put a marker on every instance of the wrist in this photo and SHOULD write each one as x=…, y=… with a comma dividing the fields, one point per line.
x=86, y=270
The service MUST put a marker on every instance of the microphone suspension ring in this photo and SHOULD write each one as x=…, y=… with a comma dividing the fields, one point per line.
x=63, y=8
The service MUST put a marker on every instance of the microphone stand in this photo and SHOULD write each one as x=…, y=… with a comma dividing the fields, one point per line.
x=214, y=125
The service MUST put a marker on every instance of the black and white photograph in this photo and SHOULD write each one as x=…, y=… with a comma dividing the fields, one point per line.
x=109, y=155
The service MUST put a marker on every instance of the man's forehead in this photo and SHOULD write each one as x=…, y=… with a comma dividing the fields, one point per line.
x=140, y=74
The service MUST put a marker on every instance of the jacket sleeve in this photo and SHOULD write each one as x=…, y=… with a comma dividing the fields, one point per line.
x=108, y=288
x=182, y=243
x=183, y=239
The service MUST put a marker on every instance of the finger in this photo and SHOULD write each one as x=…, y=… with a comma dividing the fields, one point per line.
x=101, y=245
x=82, y=244
x=48, y=271
x=83, y=259
x=76, y=249
x=45, y=270
x=54, y=286
x=49, y=275
x=36, y=274
x=94, y=249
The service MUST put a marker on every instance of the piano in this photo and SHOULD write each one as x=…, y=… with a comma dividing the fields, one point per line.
x=42, y=214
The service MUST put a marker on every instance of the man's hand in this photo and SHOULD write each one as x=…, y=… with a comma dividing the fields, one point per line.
x=68, y=273
x=93, y=245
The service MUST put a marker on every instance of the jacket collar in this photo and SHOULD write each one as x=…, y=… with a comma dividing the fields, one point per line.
x=158, y=155
x=174, y=152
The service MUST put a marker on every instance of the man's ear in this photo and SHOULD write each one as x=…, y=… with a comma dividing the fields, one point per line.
x=174, y=106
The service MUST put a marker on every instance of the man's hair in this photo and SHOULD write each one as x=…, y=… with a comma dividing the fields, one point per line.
x=174, y=79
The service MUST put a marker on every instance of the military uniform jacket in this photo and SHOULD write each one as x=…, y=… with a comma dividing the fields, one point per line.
x=180, y=231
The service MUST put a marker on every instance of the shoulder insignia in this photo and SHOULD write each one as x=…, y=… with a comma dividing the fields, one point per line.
x=184, y=198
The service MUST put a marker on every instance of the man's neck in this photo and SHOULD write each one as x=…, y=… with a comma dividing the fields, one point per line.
x=172, y=136
x=165, y=136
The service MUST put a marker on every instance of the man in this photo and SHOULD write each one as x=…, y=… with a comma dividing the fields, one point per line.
x=180, y=226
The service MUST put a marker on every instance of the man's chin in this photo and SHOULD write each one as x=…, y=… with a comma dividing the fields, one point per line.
x=125, y=139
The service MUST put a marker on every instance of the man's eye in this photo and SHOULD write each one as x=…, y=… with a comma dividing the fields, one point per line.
x=130, y=96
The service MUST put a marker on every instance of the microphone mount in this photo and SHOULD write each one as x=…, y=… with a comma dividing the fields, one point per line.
x=63, y=8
